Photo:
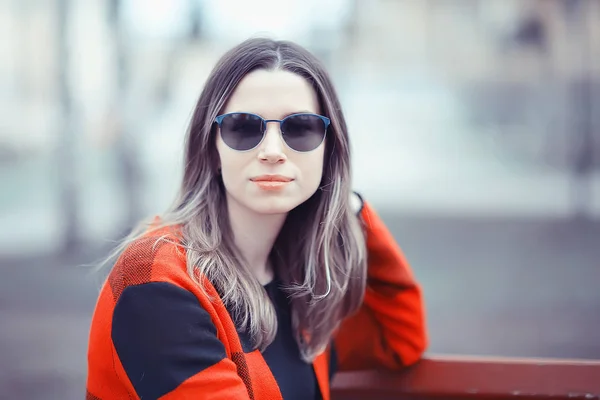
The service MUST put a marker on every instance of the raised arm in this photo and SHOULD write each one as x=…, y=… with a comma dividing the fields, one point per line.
x=389, y=329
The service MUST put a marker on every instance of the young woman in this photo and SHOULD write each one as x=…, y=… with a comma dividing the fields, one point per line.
x=268, y=274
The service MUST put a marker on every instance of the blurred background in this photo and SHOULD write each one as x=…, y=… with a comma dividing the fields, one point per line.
x=475, y=127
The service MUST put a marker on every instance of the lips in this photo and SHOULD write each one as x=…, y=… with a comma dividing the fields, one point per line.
x=271, y=178
x=271, y=183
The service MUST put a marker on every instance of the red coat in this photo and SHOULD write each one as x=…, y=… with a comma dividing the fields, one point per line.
x=388, y=331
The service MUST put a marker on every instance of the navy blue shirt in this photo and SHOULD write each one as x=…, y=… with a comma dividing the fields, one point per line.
x=296, y=378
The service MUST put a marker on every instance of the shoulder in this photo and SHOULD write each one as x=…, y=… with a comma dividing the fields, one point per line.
x=157, y=256
x=150, y=284
x=365, y=211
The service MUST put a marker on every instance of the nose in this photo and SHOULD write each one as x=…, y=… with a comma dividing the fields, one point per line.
x=272, y=149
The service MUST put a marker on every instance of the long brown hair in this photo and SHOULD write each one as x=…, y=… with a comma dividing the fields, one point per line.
x=319, y=255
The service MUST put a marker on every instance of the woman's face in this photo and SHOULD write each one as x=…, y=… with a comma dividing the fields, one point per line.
x=273, y=95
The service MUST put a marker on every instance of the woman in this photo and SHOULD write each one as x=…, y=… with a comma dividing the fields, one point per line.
x=268, y=274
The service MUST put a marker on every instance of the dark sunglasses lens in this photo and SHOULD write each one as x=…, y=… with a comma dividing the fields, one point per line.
x=303, y=132
x=241, y=131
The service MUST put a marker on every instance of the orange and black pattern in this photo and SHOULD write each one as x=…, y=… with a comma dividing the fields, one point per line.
x=155, y=334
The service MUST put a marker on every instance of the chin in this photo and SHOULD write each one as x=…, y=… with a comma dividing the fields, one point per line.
x=273, y=206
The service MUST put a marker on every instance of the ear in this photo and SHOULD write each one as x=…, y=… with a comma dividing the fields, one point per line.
x=356, y=202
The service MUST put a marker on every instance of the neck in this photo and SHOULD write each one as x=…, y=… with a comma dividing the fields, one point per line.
x=254, y=235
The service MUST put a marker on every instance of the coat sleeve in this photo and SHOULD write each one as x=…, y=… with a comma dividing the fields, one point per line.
x=389, y=329
x=168, y=346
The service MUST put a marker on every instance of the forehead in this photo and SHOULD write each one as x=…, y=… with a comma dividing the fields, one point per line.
x=273, y=94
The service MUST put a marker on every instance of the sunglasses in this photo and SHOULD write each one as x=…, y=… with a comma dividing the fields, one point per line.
x=244, y=131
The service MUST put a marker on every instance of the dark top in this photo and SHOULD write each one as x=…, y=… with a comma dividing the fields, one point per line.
x=296, y=378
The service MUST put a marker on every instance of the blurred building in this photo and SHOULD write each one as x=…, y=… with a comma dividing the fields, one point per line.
x=468, y=107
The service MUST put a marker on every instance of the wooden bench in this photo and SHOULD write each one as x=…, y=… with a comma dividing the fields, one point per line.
x=459, y=377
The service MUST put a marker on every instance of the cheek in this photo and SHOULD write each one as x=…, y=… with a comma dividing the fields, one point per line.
x=231, y=168
x=229, y=164
x=313, y=170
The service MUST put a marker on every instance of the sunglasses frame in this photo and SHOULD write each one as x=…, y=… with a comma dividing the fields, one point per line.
x=326, y=123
